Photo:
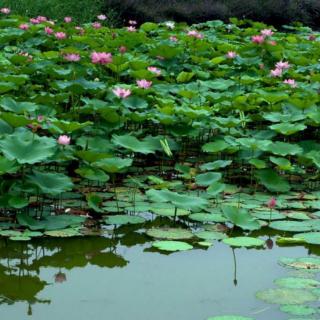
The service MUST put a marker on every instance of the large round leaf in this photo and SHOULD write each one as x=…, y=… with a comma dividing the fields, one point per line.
x=24, y=147
x=172, y=245
x=244, y=242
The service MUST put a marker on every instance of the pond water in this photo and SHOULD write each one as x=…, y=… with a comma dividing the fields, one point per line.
x=121, y=278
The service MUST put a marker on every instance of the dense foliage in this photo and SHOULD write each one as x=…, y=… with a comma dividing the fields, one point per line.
x=180, y=116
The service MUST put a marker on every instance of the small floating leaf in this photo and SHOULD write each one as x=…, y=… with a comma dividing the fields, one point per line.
x=243, y=242
x=169, y=233
x=124, y=219
x=172, y=245
x=286, y=296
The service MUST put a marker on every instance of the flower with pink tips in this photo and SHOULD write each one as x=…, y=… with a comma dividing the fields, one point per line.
x=67, y=19
x=34, y=21
x=258, y=39
x=41, y=18
x=231, y=54
x=24, y=26
x=272, y=203
x=64, y=140
x=48, y=30
x=131, y=29
x=290, y=82
x=144, y=84
x=173, y=39
x=102, y=17
x=276, y=72
x=195, y=34
x=121, y=92
x=267, y=32
x=283, y=65
x=101, y=57
x=96, y=25
x=60, y=35
x=154, y=70
x=5, y=10
x=123, y=49
x=72, y=57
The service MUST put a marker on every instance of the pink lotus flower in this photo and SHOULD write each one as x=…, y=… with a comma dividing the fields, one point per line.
x=41, y=18
x=155, y=70
x=101, y=17
x=123, y=49
x=34, y=21
x=290, y=82
x=40, y=118
x=231, y=54
x=5, y=10
x=267, y=32
x=132, y=22
x=67, y=19
x=122, y=93
x=72, y=57
x=283, y=65
x=276, y=72
x=64, y=140
x=259, y=39
x=96, y=25
x=272, y=43
x=272, y=203
x=144, y=84
x=24, y=26
x=195, y=34
x=101, y=57
x=48, y=30
x=131, y=29
x=173, y=39
x=60, y=35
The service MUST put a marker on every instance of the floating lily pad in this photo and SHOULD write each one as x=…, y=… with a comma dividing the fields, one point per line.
x=124, y=219
x=172, y=245
x=309, y=237
x=169, y=233
x=298, y=310
x=243, y=242
x=20, y=238
x=63, y=233
x=169, y=212
x=286, y=296
x=207, y=217
x=297, y=283
x=310, y=263
x=292, y=226
x=229, y=318
x=211, y=235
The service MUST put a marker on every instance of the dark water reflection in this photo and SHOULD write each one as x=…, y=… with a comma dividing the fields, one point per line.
x=121, y=277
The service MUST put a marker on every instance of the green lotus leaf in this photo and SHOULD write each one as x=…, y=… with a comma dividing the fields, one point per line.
x=283, y=148
x=206, y=179
x=240, y=218
x=24, y=147
x=214, y=147
x=51, y=183
x=211, y=235
x=124, y=219
x=207, y=217
x=229, y=318
x=246, y=242
x=307, y=263
x=169, y=233
x=92, y=173
x=169, y=212
x=133, y=144
x=272, y=181
x=287, y=128
x=309, y=237
x=114, y=165
x=176, y=199
x=297, y=283
x=298, y=310
x=218, y=164
x=292, y=226
x=172, y=245
x=63, y=233
x=285, y=296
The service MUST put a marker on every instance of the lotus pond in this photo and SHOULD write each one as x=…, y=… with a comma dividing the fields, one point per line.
x=160, y=171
